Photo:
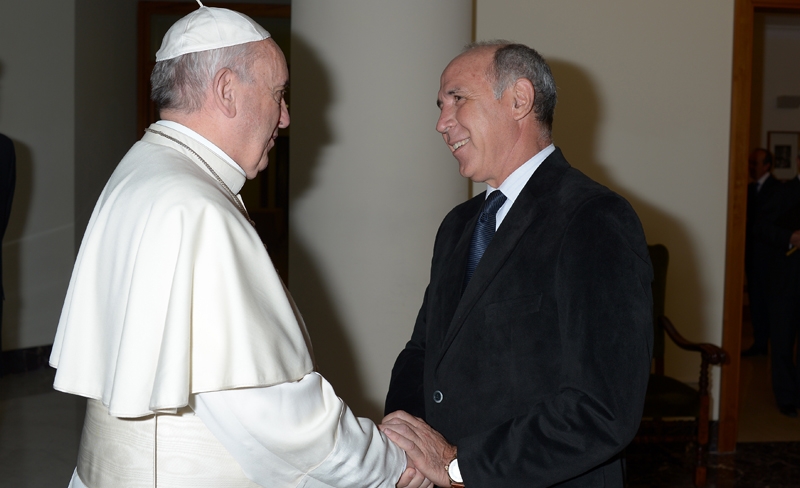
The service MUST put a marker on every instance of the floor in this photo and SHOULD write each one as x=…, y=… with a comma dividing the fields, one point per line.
x=754, y=465
x=759, y=418
x=767, y=454
x=40, y=430
x=768, y=450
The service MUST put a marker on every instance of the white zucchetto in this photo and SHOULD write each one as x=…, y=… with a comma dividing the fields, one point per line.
x=209, y=28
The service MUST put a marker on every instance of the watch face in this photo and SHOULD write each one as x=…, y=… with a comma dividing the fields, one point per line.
x=454, y=472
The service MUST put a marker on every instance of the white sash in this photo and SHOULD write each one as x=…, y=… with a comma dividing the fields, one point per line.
x=157, y=451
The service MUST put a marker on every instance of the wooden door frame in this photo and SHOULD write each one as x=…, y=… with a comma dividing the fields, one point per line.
x=744, y=12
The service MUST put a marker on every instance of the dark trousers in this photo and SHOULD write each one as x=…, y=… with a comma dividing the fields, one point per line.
x=758, y=293
x=785, y=327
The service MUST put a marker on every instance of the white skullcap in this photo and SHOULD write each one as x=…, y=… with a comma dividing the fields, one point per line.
x=209, y=28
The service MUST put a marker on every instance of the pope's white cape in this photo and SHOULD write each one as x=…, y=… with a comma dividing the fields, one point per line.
x=173, y=292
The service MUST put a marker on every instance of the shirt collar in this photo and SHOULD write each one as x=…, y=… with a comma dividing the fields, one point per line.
x=202, y=140
x=209, y=160
x=512, y=186
x=516, y=181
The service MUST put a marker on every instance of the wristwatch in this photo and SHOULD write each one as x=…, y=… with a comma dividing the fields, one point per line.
x=456, y=481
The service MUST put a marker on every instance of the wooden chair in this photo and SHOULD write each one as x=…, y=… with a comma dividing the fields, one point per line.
x=668, y=397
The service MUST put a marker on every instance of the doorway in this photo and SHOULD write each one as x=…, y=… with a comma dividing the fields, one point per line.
x=775, y=126
x=740, y=143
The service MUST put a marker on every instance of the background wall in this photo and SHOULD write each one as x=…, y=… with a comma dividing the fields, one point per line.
x=370, y=178
x=644, y=108
x=37, y=111
x=105, y=98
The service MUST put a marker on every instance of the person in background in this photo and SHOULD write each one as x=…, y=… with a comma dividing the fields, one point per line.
x=780, y=228
x=760, y=191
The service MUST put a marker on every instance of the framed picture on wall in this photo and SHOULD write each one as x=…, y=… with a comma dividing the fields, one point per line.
x=784, y=147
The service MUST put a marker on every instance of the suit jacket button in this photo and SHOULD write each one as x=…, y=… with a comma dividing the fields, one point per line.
x=437, y=396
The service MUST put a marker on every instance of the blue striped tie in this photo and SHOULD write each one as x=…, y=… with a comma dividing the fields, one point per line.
x=484, y=231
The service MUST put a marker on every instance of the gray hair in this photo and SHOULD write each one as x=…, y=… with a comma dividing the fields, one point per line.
x=180, y=83
x=514, y=61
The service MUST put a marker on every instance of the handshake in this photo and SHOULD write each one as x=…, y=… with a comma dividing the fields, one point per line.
x=427, y=452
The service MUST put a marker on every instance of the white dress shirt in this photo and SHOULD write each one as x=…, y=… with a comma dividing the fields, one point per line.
x=512, y=186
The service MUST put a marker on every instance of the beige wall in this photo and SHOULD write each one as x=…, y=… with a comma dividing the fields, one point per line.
x=37, y=111
x=644, y=108
x=67, y=98
x=370, y=179
x=105, y=98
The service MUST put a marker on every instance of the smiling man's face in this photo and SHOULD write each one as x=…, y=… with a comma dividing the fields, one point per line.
x=476, y=126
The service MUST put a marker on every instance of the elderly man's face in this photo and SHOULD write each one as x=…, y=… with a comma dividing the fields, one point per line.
x=756, y=164
x=475, y=125
x=264, y=110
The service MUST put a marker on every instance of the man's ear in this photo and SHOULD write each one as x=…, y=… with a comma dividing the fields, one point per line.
x=224, y=92
x=524, y=94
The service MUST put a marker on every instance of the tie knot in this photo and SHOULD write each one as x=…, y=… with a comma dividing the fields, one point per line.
x=493, y=203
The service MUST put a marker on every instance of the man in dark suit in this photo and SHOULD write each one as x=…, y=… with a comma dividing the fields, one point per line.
x=780, y=229
x=8, y=165
x=759, y=193
x=528, y=365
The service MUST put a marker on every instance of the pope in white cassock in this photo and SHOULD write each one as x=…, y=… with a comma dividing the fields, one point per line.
x=176, y=327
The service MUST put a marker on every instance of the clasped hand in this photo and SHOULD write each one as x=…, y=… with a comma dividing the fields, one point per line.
x=425, y=448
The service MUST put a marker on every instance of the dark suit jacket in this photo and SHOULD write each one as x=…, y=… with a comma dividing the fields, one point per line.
x=541, y=366
x=8, y=165
x=778, y=219
x=756, y=244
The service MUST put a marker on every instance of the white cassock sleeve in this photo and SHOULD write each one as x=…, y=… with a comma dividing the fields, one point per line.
x=300, y=434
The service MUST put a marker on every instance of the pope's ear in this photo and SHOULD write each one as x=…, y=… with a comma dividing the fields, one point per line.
x=223, y=88
x=523, y=98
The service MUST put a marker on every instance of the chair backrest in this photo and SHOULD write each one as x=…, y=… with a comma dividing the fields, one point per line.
x=659, y=257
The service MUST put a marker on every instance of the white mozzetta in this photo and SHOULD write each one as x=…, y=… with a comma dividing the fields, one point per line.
x=194, y=305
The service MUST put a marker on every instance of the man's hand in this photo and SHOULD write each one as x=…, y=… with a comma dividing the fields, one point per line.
x=425, y=447
x=795, y=238
x=413, y=478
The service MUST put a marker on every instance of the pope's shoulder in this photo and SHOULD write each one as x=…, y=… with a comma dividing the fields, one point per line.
x=164, y=179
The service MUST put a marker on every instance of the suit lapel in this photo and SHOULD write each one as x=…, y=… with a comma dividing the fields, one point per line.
x=453, y=269
x=525, y=212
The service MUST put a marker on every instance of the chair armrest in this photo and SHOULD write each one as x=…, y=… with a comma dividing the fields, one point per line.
x=711, y=353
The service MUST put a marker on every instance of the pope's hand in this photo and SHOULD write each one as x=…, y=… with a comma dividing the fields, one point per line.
x=426, y=448
x=413, y=478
